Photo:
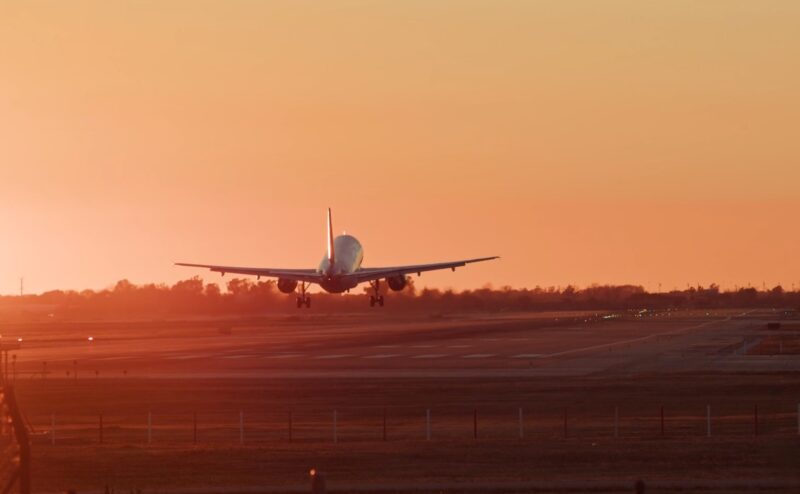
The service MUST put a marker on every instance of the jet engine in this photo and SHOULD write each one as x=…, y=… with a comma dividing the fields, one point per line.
x=397, y=283
x=286, y=286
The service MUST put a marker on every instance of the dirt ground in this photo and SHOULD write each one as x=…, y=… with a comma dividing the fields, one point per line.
x=254, y=406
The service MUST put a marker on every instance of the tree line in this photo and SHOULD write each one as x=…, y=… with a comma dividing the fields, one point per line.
x=244, y=296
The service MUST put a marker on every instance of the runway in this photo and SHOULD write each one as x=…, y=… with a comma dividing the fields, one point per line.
x=527, y=344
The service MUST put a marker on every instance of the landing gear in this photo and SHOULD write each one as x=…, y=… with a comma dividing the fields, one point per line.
x=302, y=298
x=376, y=297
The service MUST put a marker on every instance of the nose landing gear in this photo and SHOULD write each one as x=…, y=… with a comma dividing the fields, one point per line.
x=376, y=297
x=302, y=298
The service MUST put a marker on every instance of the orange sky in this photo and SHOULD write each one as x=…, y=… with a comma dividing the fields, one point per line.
x=620, y=141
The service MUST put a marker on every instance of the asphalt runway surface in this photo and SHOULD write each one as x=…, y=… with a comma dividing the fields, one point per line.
x=374, y=345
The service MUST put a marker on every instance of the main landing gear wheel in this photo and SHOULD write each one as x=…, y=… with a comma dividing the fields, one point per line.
x=302, y=298
x=376, y=297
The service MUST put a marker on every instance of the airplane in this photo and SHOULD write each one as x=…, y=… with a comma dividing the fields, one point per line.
x=339, y=271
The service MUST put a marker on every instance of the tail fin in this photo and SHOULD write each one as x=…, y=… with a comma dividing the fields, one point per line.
x=331, y=253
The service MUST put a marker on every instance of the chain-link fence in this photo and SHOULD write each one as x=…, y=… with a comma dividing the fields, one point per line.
x=416, y=423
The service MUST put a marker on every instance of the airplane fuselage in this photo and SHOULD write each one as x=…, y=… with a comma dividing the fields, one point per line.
x=347, y=260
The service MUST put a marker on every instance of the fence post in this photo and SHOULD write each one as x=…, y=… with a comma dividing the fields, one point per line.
x=241, y=427
x=384, y=424
x=708, y=420
x=755, y=419
x=616, y=421
x=428, y=424
x=521, y=424
x=335, y=438
x=149, y=427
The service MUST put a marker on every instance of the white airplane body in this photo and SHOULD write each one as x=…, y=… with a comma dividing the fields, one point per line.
x=339, y=271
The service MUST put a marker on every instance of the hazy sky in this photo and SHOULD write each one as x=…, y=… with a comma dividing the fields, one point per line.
x=585, y=141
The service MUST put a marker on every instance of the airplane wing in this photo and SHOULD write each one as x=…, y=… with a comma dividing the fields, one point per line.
x=307, y=275
x=369, y=274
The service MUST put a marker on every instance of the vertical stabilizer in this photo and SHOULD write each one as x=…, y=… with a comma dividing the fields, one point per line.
x=331, y=253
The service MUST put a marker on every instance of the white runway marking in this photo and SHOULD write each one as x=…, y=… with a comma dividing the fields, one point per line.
x=431, y=355
x=653, y=336
x=479, y=355
x=384, y=355
x=338, y=355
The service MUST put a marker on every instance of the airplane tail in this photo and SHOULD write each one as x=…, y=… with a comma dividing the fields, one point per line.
x=331, y=253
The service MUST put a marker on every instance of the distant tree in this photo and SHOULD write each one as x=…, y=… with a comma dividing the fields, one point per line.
x=187, y=294
x=212, y=291
x=263, y=293
x=239, y=287
x=53, y=297
x=124, y=286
